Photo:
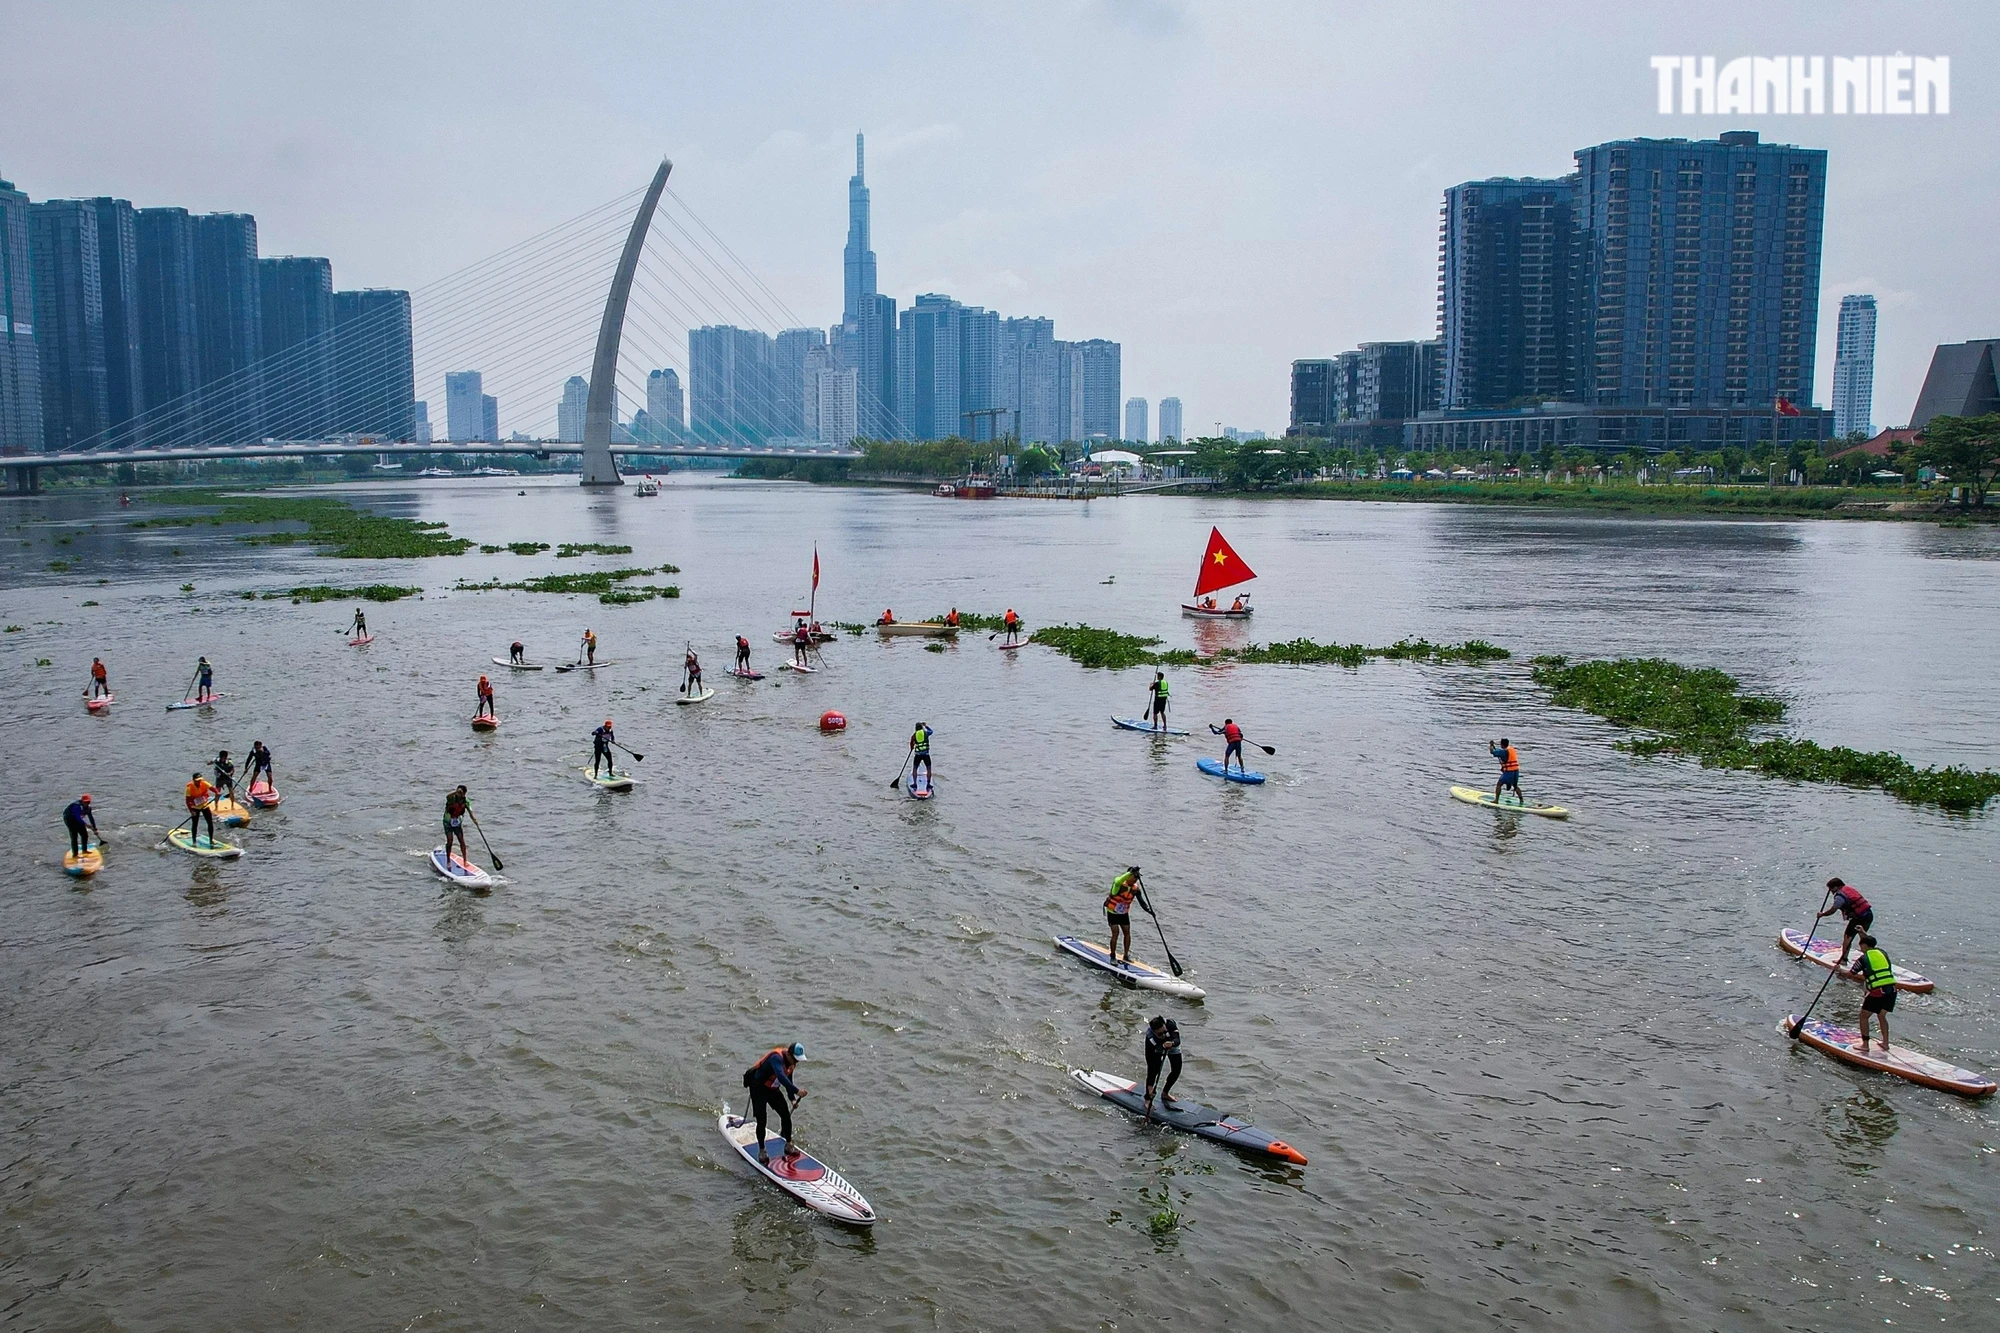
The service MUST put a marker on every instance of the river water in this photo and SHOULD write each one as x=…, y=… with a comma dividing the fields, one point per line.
x=1534, y=1064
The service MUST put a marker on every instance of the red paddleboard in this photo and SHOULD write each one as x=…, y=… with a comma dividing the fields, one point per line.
x=485, y=723
x=356, y=643
x=100, y=703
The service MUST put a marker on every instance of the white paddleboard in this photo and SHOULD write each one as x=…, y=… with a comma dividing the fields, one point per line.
x=459, y=871
x=1474, y=796
x=794, y=666
x=1143, y=975
x=205, y=701
x=203, y=846
x=1827, y=954
x=810, y=1181
x=614, y=782
x=707, y=692
x=517, y=666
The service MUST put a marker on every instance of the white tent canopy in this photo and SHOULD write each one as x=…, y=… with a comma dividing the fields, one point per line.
x=1119, y=457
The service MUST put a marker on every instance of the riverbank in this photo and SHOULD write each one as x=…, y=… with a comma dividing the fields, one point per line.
x=1848, y=502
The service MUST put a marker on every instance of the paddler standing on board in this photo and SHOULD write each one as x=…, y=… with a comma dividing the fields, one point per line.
x=601, y=741
x=920, y=753
x=259, y=764
x=1157, y=709
x=1232, y=742
x=485, y=708
x=691, y=671
x=742, y=655
x=100, y=680
x=1163, y=1050
x=801, y=643
x=198, y=796
x=1510, y=771
x=1848, y=901
x=204, y=677
x=225, y=775
x=1011, y=623
x=589, y=648
x=456, y=808
x=1875, y=972
x=770, y=1084
x=81, y=822
x=359, y=629
x=1125, y=890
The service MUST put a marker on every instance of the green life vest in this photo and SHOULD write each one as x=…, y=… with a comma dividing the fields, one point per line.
x=1160, y=688
x=920, y=740
x=1881, y=975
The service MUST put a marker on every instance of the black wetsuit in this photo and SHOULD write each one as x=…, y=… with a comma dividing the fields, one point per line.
x=1163, y=1047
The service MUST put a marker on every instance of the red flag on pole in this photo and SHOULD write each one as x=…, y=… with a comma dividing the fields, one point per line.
x=815, y=569
x=1783, y=407
x=1221, y=567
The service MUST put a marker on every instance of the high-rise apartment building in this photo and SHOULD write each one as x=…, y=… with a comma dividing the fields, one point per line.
x=489, y=418
x=1507, y=265
x=1699, y=278
x=374, y=364
x=1099, y=391
x=295, y=296
x=464, y=407
x=1170, y=421
x=420, y=417
x=20, y=366
x=730, y=382
x=981, y=396
x=663, y=405
x=795, y=355
x=1854, y=367
x=1029, y=381
x=570, y=411
x=229, y=339
x=69, y=322
x=1314, y=407
x=928, y=367
x=836, y=413
x=1135, y=420
x=165, y=239
x=118, y=286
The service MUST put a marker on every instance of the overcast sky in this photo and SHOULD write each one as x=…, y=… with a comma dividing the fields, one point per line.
x=1220, y=187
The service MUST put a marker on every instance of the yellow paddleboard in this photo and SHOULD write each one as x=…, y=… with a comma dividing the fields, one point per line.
x=89, y=863
x=1473, y=796
x=229, y=811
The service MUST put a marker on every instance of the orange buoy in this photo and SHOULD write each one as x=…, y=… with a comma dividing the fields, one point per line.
x=832, y=721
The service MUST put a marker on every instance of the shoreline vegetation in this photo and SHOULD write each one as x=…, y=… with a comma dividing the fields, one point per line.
x=1090, y=646
x=606, y=584
x=337, y=528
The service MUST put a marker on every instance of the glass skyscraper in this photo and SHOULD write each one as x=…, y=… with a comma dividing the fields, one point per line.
x=1854, y=367
x=20, y=366
x=1507, y=252
x=374, y=364
x=69, y=322
x=295, y=299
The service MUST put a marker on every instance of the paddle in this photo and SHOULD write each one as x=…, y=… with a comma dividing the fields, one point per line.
x=1172, y=961
x=188, y=693
x=634, y=753
x=1267, y=749
x=1799, y=1026
x=491, y=854
x=1828, y=897
x=898, y=783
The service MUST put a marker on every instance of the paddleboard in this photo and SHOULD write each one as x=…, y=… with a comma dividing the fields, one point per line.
x=922, y=793
x=794, y=666
x=460, y=871
x=264, y=795
x=1009, y=647
x=1844, y=1044
x=1143, y=975
x=744, y=675
x=1191, y=1117
x=484, y=723
x=1214, y=768
x=221, y=851
x=1474, y=796
x=804, y=1177
x=205, y=701
x=229, y=811
x=100, y=703
x=785, y=636
x=1140, y=724
x=614, y=782
x=707, y=692
x=356, y=643
x=1827, y=954
x=583, y=666
x=517, y=666
x=86, y=863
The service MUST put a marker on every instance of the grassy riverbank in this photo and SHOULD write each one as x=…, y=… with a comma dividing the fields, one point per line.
x=1700, y=713
x=335, y=527
x=1631, y=498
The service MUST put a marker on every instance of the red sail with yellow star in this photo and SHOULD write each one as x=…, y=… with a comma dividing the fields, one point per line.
x=1221, y=568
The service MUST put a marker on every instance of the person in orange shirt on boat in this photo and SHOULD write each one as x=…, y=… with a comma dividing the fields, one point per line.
x=199, y=796
x=951, y=618
x=485, y=698
x=1510, y=770
x=888, y=618
x=1237, y=605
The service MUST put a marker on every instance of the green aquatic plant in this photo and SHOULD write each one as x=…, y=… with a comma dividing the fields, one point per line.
x=569, y=550
x=59, y=566
x=13, y=629
x=604, y=583
x=334, y=526
x=517, y=548
x=320, y=592
x=187, y=587
x=853, y=627
x=1698, y=711
x=90, y=603
x=933, y=647
x=1090, y=646
x=973, y=620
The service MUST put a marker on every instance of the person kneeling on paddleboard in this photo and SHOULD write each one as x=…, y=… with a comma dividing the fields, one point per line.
x=485, y=708
x=1879, y=975
x=920, y=752
x=1850, y=904
x=81, y=823
x=456, y=808
x=198, y=795
x=1163, y=1048
x=769, y=1081
x=1118, y=910
x=601, y=741
x=1510, y=770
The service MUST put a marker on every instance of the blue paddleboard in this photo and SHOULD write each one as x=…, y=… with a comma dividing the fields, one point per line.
x=1140, y=724
x=1214, y=768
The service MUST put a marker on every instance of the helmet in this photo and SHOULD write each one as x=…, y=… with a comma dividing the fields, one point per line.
x=607, y=721
x=85, y=798
x=798, y=1051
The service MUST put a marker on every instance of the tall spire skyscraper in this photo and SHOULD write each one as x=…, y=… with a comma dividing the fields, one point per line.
x=860, y=258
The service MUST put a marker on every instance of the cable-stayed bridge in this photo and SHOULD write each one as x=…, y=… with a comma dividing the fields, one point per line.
x=589, y=294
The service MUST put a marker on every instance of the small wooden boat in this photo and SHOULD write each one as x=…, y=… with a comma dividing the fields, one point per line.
x=1217, y=613
x=922, y=629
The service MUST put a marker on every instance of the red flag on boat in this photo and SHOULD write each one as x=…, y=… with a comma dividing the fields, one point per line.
x=815, y=569
x=1221, y=567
